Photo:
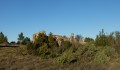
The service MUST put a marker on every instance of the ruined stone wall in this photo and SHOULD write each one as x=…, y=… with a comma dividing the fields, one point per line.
x=58, y=38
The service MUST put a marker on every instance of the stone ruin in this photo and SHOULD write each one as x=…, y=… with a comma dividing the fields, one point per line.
x=58, y=38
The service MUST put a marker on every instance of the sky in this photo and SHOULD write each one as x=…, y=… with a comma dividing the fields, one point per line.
x=61, y=17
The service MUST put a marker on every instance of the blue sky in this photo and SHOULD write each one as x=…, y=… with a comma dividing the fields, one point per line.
x=85, y=17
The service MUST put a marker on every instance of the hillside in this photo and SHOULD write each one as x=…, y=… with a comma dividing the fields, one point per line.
x=19, y=59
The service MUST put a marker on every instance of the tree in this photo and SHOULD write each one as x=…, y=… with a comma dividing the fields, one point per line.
x=26, y=40
x=78, y=37
x=40, y=40
x=101, y=39
x=12, y=42
x=6, y=39
x=20, y=38
x=3, y=39
x=87, y=39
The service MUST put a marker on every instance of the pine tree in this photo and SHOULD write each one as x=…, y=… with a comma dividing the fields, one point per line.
x=3, y=39
x=20, y=38
x=101, y=39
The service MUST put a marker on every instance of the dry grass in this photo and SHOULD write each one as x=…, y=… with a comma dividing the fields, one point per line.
x=13, y=59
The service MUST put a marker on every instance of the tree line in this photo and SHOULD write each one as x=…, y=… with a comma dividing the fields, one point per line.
x=21, y=39
x=102, y=39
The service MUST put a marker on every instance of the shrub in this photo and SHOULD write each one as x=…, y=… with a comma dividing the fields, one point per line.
x=86, y=50
x=101, y=58
x=81, y=50
x=66, y=44
x=42, y=51
x=109, y=51
x=86, y=53
x=89, y=40
x=67, y=57
x=54, y=54
x=46, y=52
x=30, y=47
x=101, y=39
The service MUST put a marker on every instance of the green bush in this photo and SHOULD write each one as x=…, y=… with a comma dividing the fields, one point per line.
x=66, y=44
x=42, y=51
x=86, y=50
x=101, y=58
x=45, y=52
x=109, y=51
x=67, y=57
x=81, y=51
x=54, y=54
x=86, y=53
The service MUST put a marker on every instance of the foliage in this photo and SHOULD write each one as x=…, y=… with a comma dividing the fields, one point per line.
x=101, y=58
x=104, y=54
x=43, y=51
x=12, y=42
x=101, y=39
x=40, y=40
x=3, y=38
x=26, y=40
x=112, y=39
x=86, y=53
x=78, y=37
x=109, y=51
x=116, y=41
x=46, y=52
x=20, y=38
x=99, y=55
x=66, y=44
x=30, y=47
x=44, y=46
x=67, y=57
x=89, y=40
x=52, y=41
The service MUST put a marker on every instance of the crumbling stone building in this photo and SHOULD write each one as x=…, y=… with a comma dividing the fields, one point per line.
x=58, y=38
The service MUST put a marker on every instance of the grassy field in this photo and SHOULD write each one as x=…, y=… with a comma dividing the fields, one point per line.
x=18, y=59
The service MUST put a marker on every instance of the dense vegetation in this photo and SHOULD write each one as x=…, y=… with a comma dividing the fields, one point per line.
x=95, y=54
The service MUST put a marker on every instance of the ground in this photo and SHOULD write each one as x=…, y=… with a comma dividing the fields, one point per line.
x=13, y=59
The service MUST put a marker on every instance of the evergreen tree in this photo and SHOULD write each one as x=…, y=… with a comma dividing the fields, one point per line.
x=87, y=39
x=26, y=40
x=101, y=39
x=79, y=38
x=20, y=38
x=3, y=39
